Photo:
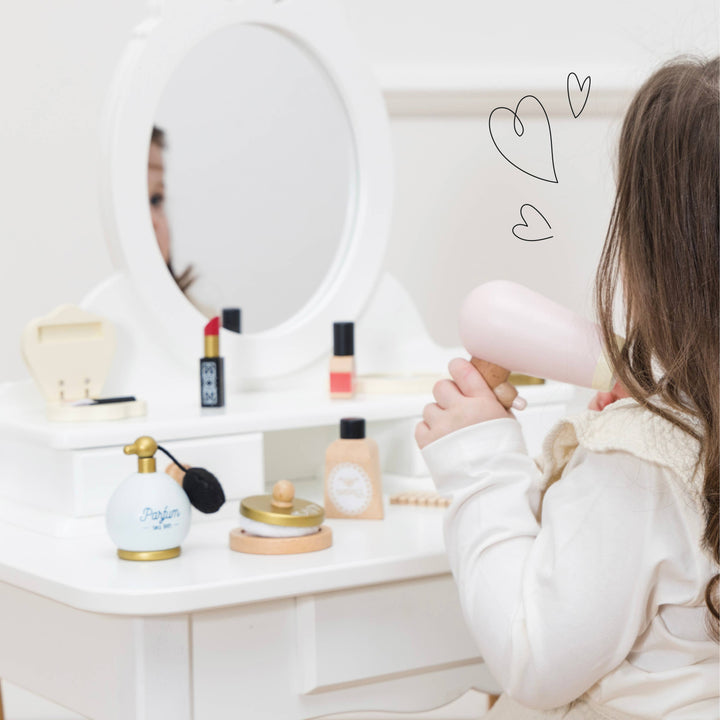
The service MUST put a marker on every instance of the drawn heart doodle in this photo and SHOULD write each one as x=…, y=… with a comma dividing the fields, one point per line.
x=534, y=222
x=583, y=94
x=529, y=148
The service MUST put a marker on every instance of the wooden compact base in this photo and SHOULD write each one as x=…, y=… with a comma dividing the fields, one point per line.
x=240, y=541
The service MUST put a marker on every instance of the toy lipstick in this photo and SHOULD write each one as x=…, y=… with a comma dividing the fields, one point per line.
x=212, y=372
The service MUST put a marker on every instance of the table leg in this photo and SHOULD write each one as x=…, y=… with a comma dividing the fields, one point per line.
x=104, y=667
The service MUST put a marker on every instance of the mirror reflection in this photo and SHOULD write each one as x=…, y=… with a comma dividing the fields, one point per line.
x=251, y=175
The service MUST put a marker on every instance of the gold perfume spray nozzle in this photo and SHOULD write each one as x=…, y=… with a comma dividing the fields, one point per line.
x=145, y=448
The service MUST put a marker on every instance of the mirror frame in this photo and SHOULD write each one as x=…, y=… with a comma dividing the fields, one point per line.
x=156, y=50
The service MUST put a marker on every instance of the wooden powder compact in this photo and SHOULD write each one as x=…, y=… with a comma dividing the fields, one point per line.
x=280, y=524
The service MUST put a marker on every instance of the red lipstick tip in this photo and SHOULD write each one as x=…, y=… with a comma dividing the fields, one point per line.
x=213, y=327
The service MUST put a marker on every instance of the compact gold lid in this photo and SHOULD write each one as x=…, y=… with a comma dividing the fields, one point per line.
x=282, y=508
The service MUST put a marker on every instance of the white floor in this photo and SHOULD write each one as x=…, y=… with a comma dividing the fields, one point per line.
x=22, y=705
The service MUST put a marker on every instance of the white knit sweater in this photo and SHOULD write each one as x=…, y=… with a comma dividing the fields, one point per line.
x=604, y=593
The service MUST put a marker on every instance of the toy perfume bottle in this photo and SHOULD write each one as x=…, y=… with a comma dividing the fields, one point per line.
x=148, y=515
x=353, y=486
x=342, y=363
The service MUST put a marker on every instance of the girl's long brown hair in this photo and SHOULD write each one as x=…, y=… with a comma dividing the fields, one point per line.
x=663, y=246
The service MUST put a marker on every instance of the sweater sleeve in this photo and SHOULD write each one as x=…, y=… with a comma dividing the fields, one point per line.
x=552, y=608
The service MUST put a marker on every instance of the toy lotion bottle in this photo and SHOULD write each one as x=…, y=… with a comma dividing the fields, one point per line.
x=342, y=363
x=353, y=487
x=148, y=516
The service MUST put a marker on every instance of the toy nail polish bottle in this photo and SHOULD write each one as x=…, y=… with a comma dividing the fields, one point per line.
x=148, y=515
x=342, y=363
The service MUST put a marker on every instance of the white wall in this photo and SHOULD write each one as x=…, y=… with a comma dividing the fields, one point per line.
x=437, y=61
x=57, y=60
x=444, y=67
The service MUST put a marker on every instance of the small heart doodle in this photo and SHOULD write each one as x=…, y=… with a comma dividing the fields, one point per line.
x=534, y=222
x=530, y=148
x=580, y=93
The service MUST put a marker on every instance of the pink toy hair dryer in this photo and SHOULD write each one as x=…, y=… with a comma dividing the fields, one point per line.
x=505, y=325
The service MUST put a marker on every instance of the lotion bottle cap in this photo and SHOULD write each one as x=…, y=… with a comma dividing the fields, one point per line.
x=352, y=428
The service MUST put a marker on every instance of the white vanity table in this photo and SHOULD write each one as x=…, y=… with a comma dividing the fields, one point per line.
x=372, y=622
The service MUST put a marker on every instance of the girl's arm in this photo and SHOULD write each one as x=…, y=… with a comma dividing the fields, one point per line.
x=553, y=609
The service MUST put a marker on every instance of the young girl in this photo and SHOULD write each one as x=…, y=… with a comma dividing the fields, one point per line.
x=590, y=580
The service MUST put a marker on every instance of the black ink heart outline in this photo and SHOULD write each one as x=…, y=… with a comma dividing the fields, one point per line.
x=525, y=224
x=587, y=80
x=517, y=120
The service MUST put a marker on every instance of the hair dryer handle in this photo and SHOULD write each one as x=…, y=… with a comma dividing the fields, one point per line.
x=497, y=378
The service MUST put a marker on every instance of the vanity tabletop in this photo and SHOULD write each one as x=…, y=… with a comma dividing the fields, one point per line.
x=24, y=418
x=85, y=572
x=22, y=415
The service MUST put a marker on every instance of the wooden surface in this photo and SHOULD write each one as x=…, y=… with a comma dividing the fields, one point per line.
x=240, y=541
x=496, y=377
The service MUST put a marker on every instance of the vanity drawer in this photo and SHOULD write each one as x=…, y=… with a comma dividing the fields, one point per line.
x=388, y=646
x=380, y=632
x=79, y=483
x=236, y=460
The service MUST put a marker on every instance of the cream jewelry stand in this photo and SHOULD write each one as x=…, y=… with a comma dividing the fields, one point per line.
x=69, y=353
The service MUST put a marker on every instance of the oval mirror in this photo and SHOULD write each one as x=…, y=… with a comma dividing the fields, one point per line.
x=279, y=180
x=259, y=175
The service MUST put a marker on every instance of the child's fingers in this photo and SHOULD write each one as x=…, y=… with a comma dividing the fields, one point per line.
x=445, y=393
x=468, y=380
x=422, y=434
x=431, y=414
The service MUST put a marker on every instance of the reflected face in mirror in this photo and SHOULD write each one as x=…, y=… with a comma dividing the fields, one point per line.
x=158, y=214
x=156, y=193
x=260, y=171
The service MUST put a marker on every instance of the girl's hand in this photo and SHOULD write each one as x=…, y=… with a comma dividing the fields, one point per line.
x=465, y=400
x=603, y=399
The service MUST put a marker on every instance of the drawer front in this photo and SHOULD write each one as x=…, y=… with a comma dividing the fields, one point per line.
x=236, y=460
x=380, y=632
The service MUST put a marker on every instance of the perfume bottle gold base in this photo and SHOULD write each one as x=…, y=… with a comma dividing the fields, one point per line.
x=149, y=554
